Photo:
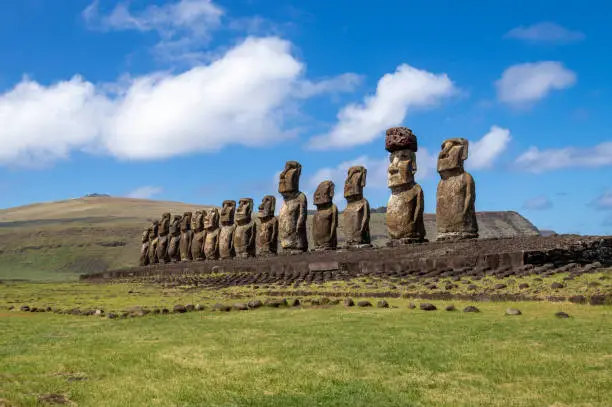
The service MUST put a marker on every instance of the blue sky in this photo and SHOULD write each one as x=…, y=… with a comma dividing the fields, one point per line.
x=200, y=101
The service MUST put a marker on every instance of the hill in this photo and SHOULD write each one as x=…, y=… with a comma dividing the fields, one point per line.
x=60, y=240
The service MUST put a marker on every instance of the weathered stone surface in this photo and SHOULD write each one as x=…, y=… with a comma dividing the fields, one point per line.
x=427, y=306
x=348, y=302
x=179, y=309
x=471, y=308
x=154, y=243
x=226, y=235
x=245, y=234
x=450, y=308
x=255, y=304
x=382, y=304
x=364, y=303
x=197, y=241
x=556, y=285
x=292, y=232
x=406, y=203
x=211, y=234
x=163, y=240
x=513, y=311
x=325, y=219
x=267, y=229
x=400, y=138
x=456, y=195
x=356, y=215
x=144, y=248
x=175, y=239
x=186, y=237
x=561, y=314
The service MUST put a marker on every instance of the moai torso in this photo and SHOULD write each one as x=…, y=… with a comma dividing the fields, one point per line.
x=211, y=241
x=292, y=232
x=186, y=237
x=356, y=216
x=406, y=204
x=144, y=248
x=226, y=234
x=197, y=240
x=325, y=219
x=175, y=239
x=267, y=229
x=456, y=194
x=245, y=233
x=163, y=239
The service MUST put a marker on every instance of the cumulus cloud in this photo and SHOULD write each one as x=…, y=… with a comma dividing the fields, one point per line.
x=342, y=83
x=241, y=98
x=604, y=201
x=523, y=84
x=145, y=192
x=538, y=203
x=483, y=152
x=537, y=161
x=545, y=32
x=396, y=93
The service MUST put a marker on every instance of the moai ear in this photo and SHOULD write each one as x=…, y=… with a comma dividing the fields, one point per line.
x=464, y=152
x=363, y=177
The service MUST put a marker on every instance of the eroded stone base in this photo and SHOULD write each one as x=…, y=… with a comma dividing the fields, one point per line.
x=454, y=236
x=405, y=241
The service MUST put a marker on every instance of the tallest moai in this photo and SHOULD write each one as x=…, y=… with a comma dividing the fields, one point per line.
x=292, y=218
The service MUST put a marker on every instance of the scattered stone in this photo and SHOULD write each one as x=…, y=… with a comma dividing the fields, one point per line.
x=199, y=307
x=556, y=285
x=471, y=308
x=382, y=304
x=24, y=308
x=314, y=302
x=241, y=307
x=275, y=303
x=523, y=286
x=348, y=302
x=190, y=307
x=296, y=303
x=450, y=308
x=411, y=305
x=425, y=306
x=165, y=311
x=221, y=307
x=449, y=286
x=513, y=311
x=561, y=314
x=111, y=315
x=179, y=308
x=364, y=303
x=500, y=286
x=99, y=313
x=53, y=398
x=255, y=304
x=472, y=287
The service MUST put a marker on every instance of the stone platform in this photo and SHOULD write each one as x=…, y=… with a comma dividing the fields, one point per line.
x=510, y=256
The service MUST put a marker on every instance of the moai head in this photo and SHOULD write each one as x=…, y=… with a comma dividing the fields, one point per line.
x=267, y=207
x=244, y=211
x=197, y=224
x=175, y=226
x=454, y=153
x=154, y=229
x=227, y=212
x=402, y=144
x=289, y=181
x=355, y=181
x=211, y=219
x=186, y=222
x=146, y=235
x=164, y=224
x=324, y=194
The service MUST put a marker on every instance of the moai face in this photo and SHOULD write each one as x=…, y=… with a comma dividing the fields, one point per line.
x=176, y=223
x=355, y=181
x=454, y=153
x=289, y=181
x=267, y=207
x=227, y=212
x=186, y=222
x=146, y=235
x=402, y=167
x=154, y=229
x=211, y=219
x=197, y=221
x=245, y=209
x=324, y=194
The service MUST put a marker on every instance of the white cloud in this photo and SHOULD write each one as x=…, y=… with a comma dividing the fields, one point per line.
x=538, y=203
x=529, y=82
x=396, y=94
x=537, y=161
x=604, y=201
x=483, y=152
x=146, y=192
x=342, y=83
x=545, y=32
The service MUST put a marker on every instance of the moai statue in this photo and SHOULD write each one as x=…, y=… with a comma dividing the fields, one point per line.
x=267, y=230
x=325, y=220
x=226, y=235
x=174, y=246
x=456, y=195
x=163, y=239
x=292, y=218
x=154, y=236
x=405, y=208
x=199, y=234
x=356, y=216
x=144, y=248
x=245, y=233
x=211, y=241
x=186, y=237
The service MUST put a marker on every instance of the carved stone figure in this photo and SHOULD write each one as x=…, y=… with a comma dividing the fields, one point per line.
x=226, y=235
x=174, y=252
x=144, y=248
x=356, y=216
x=186, y=237
x=456, y=195
x=325, y=220
x=211, y=241
x=267, y=230
x=163, y=240
x=199, y=234
x=154, y=236
x=292, y=218
x=406, y=203
x=245, y=233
